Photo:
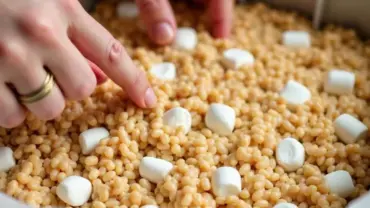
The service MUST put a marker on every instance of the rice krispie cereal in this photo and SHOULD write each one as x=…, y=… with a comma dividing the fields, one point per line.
x=47, y=152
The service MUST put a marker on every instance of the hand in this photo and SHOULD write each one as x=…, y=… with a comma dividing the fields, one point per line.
x=60, y=36
x=158, y=17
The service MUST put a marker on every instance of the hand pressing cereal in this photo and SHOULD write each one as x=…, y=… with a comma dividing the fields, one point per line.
x=159, y=18
x=51, y=51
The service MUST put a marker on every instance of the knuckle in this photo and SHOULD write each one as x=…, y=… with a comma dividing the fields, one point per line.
x=115, y=51
x=148, y=5
x=39, y=27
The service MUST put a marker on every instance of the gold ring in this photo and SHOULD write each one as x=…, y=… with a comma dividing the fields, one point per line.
x=40, y=93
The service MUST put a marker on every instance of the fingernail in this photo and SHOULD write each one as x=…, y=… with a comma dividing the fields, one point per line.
x=163, y=33
x=150, y=98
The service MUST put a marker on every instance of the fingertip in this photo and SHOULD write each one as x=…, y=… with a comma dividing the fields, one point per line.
x=143, y=99
x=159, y=20
x=221, y=14
x=162, y=33
x=139, y=89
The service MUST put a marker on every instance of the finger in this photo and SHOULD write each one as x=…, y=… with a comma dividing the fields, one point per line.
x=99, y=46
x=12, y=113
x=158, y=17
x=99, y=74
x=72, y=71
x=220, y=15
x=30, y=80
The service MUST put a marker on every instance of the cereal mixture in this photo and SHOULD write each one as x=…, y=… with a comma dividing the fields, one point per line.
x=48, y=152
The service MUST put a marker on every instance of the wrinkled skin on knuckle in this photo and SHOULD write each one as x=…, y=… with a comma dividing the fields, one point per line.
x=40, y=27
x=115, y=51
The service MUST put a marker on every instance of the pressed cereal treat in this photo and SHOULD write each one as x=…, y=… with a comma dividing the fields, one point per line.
x=47, y=153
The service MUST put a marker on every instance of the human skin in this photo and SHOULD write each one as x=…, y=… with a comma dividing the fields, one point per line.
x=61, y=36
x=158, y=17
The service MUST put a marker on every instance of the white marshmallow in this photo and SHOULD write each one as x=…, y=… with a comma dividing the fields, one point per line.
x=154, y=169
x=339, y=82
x=295, y=93
x=164, y=71
x=285, y=205
x=349, y=129
x=6, y=159
x=290, y=154
x=296, y=39
x=74, y=190
x=235, y=58
x=226, y=181
x=340, y=183
x=150, y=206
x=220, y=118
x=178, y=117
x=186, y=38
x=90, y=138
x=361, y=202
x=127, y=10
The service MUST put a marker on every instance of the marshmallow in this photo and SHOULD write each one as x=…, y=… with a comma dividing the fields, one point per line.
x=235, y=58
x=296, y=39
x=361, y=202
x=220, y=118
x=290, y=154
x=164, y=71
x=74, y=190
x=295, y=93
x=226, y=181
x=340, y=183
x=178, y=117
x=339, y=82
x=6, y=159
x=149, y=206
x=127, y=10
x=154, y=169
x=186, y=38
x=285, y=205
x=90, y=138
x=349, y=129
